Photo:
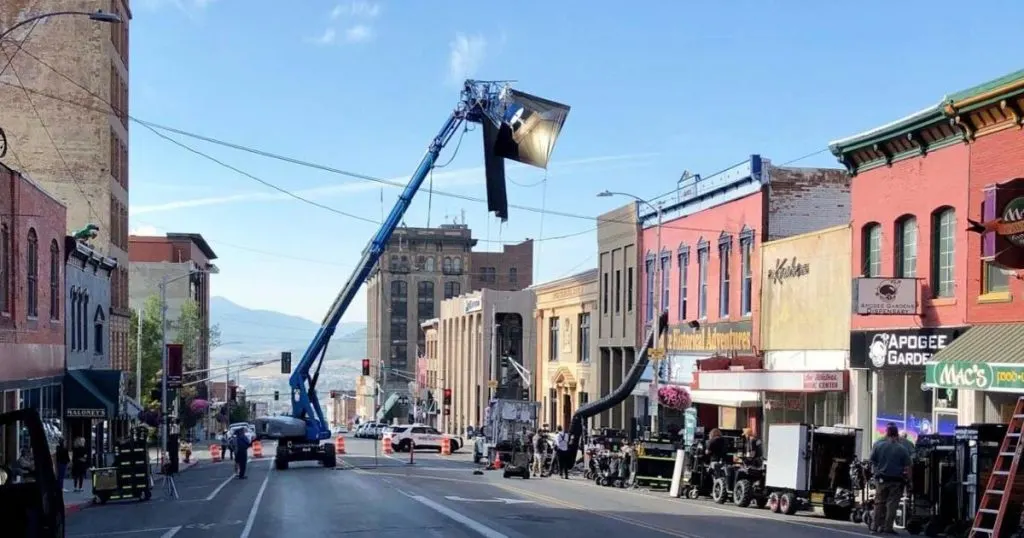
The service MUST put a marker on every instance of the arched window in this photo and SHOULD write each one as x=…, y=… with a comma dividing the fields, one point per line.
x=906, y=247
x=83, y=326
x=943, y=252
x=446, y=265
x=457, y=265
x=54, y=280
x=871, y=250
x=430, y=264
x=32, y=274
x=73, y=317
x=97, y=325
x=5, y=269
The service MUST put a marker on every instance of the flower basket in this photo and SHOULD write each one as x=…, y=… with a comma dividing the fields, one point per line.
x=674, y=397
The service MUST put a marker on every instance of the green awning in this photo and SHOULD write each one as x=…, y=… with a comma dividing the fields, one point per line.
x=986, y=357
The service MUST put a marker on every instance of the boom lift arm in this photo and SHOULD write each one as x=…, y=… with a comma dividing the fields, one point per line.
x=503, y=111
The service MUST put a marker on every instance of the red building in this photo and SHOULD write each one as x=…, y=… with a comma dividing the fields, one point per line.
x=32, y=230
x=710, y=236
x=920, y=183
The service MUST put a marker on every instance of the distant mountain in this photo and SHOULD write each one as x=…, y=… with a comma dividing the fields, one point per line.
x=244, y=331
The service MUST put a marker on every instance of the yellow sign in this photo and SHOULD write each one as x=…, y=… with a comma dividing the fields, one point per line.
x=492, y=384
x=656, y=353
x=718, y=337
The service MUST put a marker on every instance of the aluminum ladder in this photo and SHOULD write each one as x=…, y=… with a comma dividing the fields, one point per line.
x=988, y=520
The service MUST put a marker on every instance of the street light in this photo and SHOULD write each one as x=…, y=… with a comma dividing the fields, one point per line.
x=98, y=16
x=659, y=286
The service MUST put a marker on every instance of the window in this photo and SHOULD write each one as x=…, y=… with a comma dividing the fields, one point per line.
x=73, y=315
x=584, y=337
x=5, y=269
x=425, y=300
x=553, y=339
x=32, y=273
x=618, y=291
x=429, y=266
x=83, y=318
x=54, y=280
x=513, y=276
x=724, y=274
x=446, y=265
x=629, y=289
x=902, y=402
x=996, y=281
x=604, y=293
x=746, y=271
x=452, y=289
x=666, y=273
x=684, y=290
x=703, y=253
x=943, y=243
x=97, y=324
x=906, y=247
x=649, y=269
x=457, y=265
x=871, y=250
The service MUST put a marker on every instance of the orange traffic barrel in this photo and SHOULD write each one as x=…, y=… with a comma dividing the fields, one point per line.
x=339, y=445
x=257, y=449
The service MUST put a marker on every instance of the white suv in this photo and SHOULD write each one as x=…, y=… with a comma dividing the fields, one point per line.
x=422, y=436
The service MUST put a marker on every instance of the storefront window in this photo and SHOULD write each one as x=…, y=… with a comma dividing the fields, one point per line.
x=818, y=409
x=903, y=400
x=999, y=407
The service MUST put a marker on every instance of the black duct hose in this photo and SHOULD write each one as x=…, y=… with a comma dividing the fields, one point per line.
x=618, y=395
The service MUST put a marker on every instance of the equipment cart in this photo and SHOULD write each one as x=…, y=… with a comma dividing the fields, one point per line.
x=809, y=466
x=130, y=476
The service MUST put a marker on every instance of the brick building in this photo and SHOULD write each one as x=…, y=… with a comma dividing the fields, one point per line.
x=710, y=260
x=77, y=152
x=32, y=225
x=185, y=260
x=511, y=269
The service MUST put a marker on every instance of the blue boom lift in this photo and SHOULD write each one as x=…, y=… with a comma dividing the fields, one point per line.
x=516, y=126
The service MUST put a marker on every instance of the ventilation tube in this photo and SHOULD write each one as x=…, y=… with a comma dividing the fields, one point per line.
x=618, y=395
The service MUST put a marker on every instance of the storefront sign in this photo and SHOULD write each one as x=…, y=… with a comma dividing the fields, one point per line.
x=712, y=337
x=787, y=268
x=885, y=296
x=975, y=376
x=473, y=304
x=898, y=348
x=1003, y=226
x=85, y=413
x=771, y=381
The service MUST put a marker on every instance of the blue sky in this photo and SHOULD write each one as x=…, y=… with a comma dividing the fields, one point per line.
x=363, y=86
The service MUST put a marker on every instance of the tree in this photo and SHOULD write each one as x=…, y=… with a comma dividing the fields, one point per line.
x=239, y=413
x=151, y=354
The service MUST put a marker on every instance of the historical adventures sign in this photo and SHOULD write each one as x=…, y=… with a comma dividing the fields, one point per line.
x=786, y=269
x=713, y=337
x=899, y=348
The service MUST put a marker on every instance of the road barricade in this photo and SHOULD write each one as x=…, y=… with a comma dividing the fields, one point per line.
x=446, y=447
x=339, y=444
x=386, y=442
x=215, y=453
x=257, y=449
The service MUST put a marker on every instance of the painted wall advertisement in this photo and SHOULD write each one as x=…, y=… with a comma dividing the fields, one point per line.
x=712, y=338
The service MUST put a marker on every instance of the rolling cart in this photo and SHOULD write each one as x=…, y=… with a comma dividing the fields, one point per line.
x=129, y=478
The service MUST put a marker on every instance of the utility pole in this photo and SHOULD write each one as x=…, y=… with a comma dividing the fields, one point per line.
x=138, y=357
x=165, y=418
x=660, y=286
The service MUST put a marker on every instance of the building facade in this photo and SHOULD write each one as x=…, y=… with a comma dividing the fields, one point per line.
x=430, y=384
x=32, y=224
x=185, y=262
x=910, y=259
x=711, y=234
x=805, y=294
x=617, y=336
x=566, y=371
x=511, y=269
x=477, y=333
x=80, y=155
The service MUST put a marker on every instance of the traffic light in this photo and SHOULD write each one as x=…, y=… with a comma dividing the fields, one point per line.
x=447, y=396
x=277, y=395
x=366, y=366
x=526, y=393
x=286, y=362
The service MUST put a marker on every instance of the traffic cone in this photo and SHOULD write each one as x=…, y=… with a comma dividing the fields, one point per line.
x=497, y=461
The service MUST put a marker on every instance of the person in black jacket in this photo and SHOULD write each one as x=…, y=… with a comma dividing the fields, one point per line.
x=716, y=446
x=79, y=463
x=63, y=459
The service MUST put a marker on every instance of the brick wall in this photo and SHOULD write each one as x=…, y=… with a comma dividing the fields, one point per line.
x=915, y=187
x=803, y=200
x=994, y=158
x=513, y=268
x=31, y=346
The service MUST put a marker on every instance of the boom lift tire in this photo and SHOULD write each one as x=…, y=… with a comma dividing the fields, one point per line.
x=329, y=458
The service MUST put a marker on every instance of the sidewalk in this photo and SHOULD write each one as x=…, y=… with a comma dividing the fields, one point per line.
x=76, y=501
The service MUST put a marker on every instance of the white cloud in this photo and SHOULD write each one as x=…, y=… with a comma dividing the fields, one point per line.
x=357, y=9
x=450, y=178
x=145, y=229
x=466, y=57
x=327, y=37
x=359, y=33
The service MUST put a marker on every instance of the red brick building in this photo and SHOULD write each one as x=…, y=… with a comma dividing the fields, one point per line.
x=711, y=232
x=32, y=229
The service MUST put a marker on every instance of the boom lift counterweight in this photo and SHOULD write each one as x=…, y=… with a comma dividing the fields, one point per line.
x=516, y=126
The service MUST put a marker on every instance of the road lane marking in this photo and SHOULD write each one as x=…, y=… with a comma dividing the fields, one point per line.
x=220, y=487
x=480, y=528
x=171, y=532
x=256, y=504
x=121, y=533
x=420, y=477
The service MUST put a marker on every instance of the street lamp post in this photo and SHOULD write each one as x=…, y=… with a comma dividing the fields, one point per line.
x=98, y=16
x=659, y=286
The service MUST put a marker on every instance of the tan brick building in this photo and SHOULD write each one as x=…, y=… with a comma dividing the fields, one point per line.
x=511, y=269
x=65, y=97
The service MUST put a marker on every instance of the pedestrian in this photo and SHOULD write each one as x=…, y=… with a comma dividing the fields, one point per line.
x=79, y=463
x=63, y=459
x=223, y=437
x=538, y=453
x=241, y=449
x=562, y=447
x=891, y=462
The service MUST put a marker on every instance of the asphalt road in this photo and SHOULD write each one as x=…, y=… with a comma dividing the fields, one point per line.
x=380, y=495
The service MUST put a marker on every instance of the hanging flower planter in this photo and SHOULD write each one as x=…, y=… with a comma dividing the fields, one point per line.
x=674, y=397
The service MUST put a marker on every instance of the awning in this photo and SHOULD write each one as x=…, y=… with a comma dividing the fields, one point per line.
x=91, y=394
x=772, y=380
x=988, y=357
x=726, y=398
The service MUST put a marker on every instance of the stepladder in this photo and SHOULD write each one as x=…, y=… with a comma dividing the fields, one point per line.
x=1002, y=484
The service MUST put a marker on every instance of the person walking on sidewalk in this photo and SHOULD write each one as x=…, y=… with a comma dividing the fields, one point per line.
x=241, y=451
x=63, y=460
x=79, y=463
x=891, y=462
x=564, y=458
